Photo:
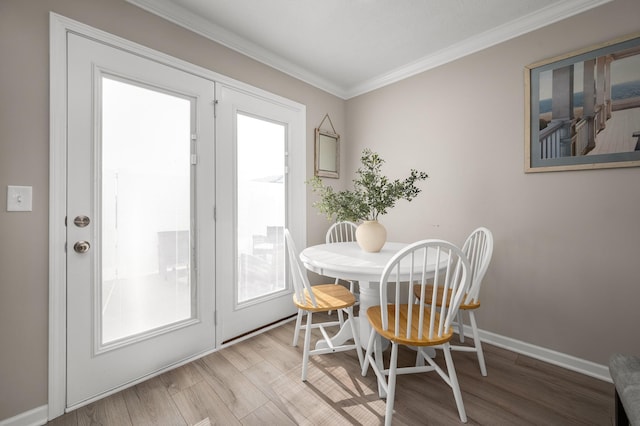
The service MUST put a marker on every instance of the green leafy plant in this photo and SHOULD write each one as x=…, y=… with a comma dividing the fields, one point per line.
x=373, y=193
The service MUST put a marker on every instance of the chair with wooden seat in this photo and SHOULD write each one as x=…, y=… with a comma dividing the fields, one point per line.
x=417, y=325
x=341, y=232
x=318, y=298
x=478, y=248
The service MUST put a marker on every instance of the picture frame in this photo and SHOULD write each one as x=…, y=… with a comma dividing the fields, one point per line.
x=327, y=154
x=582, y=109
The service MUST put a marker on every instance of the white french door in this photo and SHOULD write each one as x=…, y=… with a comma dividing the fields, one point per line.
x=260, y=191
x=140, y=225
x=143, y=277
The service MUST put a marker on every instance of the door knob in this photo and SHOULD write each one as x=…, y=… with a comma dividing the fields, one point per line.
x=81, y=246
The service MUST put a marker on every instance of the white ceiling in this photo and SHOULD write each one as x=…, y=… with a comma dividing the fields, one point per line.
x=349, y=47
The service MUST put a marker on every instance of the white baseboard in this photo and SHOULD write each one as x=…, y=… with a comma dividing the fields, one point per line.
x=569, y=362
x=36, y=417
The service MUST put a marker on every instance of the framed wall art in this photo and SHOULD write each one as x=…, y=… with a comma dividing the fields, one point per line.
x=582, y=109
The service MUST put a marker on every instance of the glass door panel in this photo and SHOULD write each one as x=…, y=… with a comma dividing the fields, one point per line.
x=146, y=300
x=146, y=185
x=260, y=208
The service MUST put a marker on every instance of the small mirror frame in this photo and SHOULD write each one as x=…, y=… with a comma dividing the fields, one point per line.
x=327, y=148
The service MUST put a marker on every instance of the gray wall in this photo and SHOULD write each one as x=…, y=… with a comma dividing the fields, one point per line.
x=24, y=160
x=564, y=274
x=564, y=270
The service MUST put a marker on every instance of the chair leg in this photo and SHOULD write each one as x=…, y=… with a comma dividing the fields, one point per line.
x=368, y=354
x=340, y=317
x=337, y=282
x=296, y=331
x=453, y=378
x=374, y=355
x=307, y=344
x=379, y=360
x=419, y=359
x=391, y=392
x=352, y=289
x=460, y=318
x=477, y=343
x=356, y=337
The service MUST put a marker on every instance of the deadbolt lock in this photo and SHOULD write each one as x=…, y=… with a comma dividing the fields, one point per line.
x=81, y=221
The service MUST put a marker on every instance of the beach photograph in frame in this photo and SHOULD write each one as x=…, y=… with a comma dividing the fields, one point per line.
x=582, y=109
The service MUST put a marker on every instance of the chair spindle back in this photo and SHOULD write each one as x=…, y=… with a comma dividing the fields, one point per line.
x=341, y=232
x=417, y=264
x=301, y=284
x=478, y=248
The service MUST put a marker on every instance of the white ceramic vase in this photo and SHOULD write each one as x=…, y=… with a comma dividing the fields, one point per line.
x=371, y=236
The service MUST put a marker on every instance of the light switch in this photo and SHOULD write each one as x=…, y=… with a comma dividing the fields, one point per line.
x=19, y=198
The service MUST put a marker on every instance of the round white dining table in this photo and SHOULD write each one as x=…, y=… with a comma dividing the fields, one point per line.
x=348, y=261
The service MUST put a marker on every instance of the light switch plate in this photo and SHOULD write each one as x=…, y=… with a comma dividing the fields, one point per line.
x=19, y=198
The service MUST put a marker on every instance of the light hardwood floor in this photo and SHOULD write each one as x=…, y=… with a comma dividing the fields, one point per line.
x=257, y=382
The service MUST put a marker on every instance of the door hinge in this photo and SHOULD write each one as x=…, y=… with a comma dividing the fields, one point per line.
x=215, y=108
x=194, y=159
x=214, y=213
x=215, y=317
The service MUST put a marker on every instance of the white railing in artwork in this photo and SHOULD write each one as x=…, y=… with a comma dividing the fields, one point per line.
x=600, y=118
x=580, y=140
x=550, y=140
x=582, y=135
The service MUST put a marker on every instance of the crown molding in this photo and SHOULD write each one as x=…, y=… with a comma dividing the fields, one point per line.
x=541, y=18
x=201, y=26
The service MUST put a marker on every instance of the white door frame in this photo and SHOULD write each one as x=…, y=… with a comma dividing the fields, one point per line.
x=58, y=29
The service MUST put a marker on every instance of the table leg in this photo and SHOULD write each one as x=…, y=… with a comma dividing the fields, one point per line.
x=369, y=296
x=340, y=337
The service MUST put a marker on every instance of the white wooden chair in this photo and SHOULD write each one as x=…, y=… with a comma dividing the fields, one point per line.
x=478, y=248
x=417, y=325
x=341, y=232
x=318, y=298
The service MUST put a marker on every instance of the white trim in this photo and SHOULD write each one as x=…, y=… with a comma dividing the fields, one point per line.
x=38, y=416
x=539, y=19
x=579, y=365
x=553, y=13
x=65, y=25
x=35, y=417
x=142, y=379
x=57, y=212
x=176, y=365
x=196, y=24
x=59, y=26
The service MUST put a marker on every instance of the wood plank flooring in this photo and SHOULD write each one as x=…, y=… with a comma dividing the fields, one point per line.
x=257, y=382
